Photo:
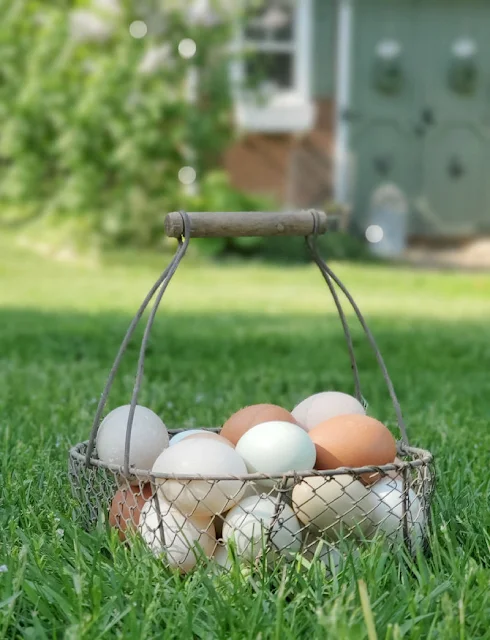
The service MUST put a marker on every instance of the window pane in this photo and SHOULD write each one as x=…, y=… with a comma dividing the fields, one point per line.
x=274, y=21
x=271, y=70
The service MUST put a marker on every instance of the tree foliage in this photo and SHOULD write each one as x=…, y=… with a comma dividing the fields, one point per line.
x=96, y=123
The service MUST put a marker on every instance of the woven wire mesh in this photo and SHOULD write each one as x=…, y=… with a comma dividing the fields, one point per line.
x=187, y=519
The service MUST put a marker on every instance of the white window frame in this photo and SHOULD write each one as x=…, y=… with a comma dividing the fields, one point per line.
x=288, y=111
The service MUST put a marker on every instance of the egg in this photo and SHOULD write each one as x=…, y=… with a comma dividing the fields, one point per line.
x=149, y=437
x=243, y=420
x=321, y=550
x=201, y=456
x=396, y=473
x=222, y=557
x=323, y=406
x=334, y=505
x=185, y=434
x=126, y=507
x=275, y=448
x=209, y=435
x=250, y=521
x=185, y=539
x=353, y=441
x=387, y=516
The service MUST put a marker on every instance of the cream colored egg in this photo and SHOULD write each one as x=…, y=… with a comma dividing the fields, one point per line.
x=212, y=436
x=323, y=406
x=387, y=516
x=149, y=437
x=252, y=521
x=181, y=540
x=275, y=448
x=334, y=505
x=206, y=457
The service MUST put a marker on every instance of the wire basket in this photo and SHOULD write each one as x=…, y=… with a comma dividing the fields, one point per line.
x=187, y=519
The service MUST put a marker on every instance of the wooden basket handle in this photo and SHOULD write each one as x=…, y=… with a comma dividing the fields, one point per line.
x=247, y=224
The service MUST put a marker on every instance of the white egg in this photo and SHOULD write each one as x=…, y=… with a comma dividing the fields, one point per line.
x=206, y=457
x=178, y=437
x=252, y=520
x=149, y=437
x=275, y=448
x=185, y=539
x=335, y=505
x=323, y=406
x=324, y=552
x=387, y=516
x=222, y=557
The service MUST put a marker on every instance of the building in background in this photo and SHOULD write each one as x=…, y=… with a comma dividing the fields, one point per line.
x=360, y=94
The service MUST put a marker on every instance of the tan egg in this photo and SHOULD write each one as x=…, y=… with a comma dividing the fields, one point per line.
x=243, y=420
x=334, y=505
x=211, y=436
x=353, y=441
x=126, y=508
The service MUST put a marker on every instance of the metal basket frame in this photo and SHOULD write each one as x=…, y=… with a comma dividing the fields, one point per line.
x=85, y=468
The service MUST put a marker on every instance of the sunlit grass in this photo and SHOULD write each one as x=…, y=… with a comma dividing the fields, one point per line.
x=67, y=284
x=230, y=335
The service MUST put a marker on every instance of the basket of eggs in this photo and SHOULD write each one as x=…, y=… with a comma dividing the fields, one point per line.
x=271, y=481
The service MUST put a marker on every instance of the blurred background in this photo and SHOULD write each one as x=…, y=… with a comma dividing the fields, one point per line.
x=114, y=112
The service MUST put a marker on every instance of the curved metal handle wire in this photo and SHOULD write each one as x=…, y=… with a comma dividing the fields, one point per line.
x=343, y=319
x=161, y=284
x=330, y=276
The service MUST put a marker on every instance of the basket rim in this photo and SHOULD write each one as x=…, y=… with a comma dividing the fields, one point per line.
x=423, y=459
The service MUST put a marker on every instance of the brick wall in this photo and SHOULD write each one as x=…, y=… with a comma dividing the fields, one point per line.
x=295, y=170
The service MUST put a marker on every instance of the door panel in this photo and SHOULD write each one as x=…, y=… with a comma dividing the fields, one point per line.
x=385, y=153
x=455, y=175
x=434, y=121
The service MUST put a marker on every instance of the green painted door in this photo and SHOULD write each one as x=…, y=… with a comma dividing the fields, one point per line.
x=421, y=110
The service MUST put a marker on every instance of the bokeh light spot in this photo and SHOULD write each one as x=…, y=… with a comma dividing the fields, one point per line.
x=187, y=175
x=374, y=234
x=138, y=29
x=187, y=48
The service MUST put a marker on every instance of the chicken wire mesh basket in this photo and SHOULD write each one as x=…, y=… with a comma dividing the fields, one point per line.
x=188, y=518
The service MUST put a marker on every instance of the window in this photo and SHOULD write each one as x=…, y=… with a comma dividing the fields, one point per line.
x=278, y=35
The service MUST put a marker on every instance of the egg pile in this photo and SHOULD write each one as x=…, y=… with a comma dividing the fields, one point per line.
x=186, y=516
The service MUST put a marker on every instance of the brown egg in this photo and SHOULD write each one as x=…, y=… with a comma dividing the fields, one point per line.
x=353, y=441
x=212, y=436
x=243, y=420
x=371, y=478
x=126, y=507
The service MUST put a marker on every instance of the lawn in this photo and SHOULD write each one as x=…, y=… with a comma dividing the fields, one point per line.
x=227, y=336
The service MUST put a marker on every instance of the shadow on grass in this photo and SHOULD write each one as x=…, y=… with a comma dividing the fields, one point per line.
x=200, y=368
x=253, y=358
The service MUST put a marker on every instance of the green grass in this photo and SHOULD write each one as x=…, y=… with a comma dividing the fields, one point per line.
x=229, y=335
